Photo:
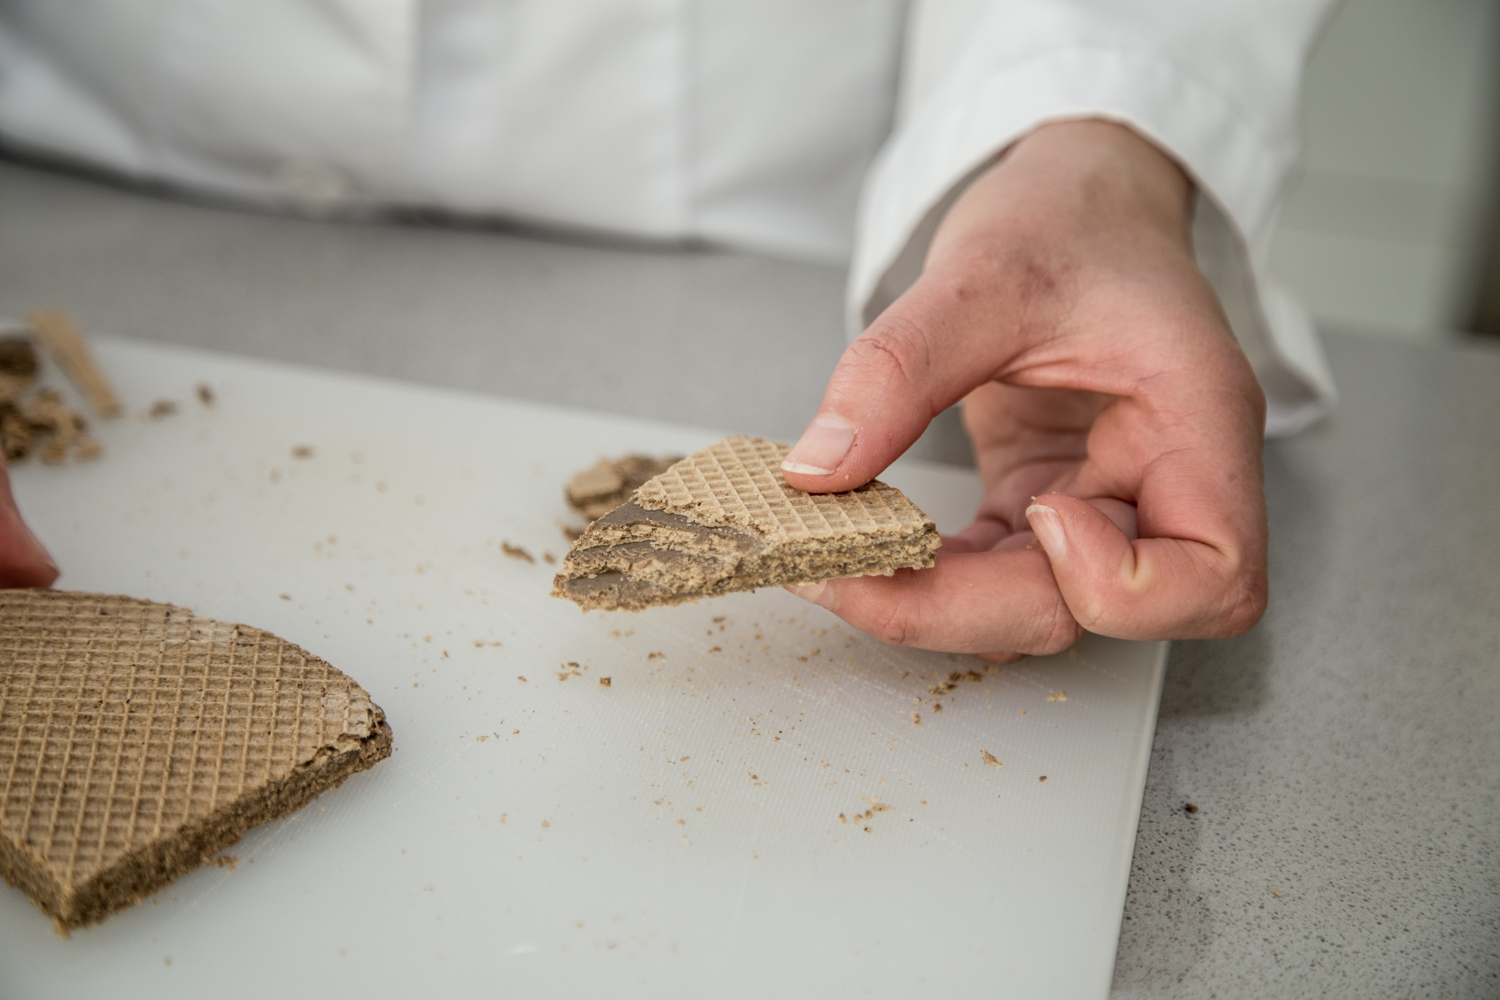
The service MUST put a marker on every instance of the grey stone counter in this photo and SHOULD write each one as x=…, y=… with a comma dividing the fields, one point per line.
x=1343, y=757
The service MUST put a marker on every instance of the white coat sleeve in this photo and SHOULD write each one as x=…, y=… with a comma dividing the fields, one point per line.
x=1214, y=84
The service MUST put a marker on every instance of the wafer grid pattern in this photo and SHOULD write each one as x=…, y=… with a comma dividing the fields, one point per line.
x=739, y=481
x=121, y=720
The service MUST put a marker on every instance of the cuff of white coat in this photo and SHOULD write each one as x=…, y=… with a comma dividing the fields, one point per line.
x=1239, y=171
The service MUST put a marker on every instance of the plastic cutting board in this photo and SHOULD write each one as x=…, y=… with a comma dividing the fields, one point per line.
x=705, y=825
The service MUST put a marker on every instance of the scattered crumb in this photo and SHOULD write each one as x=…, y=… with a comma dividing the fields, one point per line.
x=1190, y=808
x=162, y=408
x=1042, y=778
x=549, y=559
x=225, y=861
x=480, y=643
x=843, y=818
x=1058, y=696
x=714, y=649
x=937, y=706
x=302, y=451
x=522, y=679
x=571, y=533
x=286, y=597
x=718, y=619
x=87, y=449
x=546, y=823
x=516, y=552
x=973, y=675
x=604, y=682
x=916, y=718
x=989, y=758
x=656, y=656
x=205, y=393
x=1274, y=891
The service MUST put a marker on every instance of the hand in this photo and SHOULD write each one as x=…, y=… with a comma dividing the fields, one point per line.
x=1116, y=422
x=23, y=560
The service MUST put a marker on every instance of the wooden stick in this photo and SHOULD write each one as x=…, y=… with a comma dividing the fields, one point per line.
x=71, y=352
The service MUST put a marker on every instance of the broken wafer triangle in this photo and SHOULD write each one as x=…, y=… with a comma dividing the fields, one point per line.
x=725, y=519
x=138, y=740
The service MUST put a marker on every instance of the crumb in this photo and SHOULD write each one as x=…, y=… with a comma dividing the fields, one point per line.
x=1042, y=778
x=916, y=718
x=87, y=449
x=843, y=818
x=549, y=559
x=1190, y=808
x=302, y=451
x=714, y=649
x=286, y=597
x=1058, y=696
x=162, y=408
x=1278, y=895
x=973, y=675
x=604, y=682
x=718, y=619
x=571, y=533
x=989, y=758
x=225, y=861
x=937, y=706
x=205, y=393
x=656, y=656
x=546, y=823
x=522, y=679
x=516, y=552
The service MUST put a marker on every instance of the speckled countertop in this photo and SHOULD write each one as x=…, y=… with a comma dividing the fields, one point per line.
x=1343, y=757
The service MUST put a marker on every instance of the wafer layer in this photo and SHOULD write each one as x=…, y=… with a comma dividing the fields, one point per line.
x=137, y=740
x=724, y=519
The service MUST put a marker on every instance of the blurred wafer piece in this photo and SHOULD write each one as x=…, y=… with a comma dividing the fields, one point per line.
x=66, y=346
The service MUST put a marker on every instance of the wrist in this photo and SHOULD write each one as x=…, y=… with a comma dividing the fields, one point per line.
x=1075, y=176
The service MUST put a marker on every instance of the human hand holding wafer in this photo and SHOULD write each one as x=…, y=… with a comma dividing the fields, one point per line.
x=1116, y=422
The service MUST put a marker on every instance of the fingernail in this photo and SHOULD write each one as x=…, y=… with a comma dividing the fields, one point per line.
x=1049, y=530
x=822, y=446
x=819, y=593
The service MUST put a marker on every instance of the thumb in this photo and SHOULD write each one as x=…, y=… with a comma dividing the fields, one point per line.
x=899, y=374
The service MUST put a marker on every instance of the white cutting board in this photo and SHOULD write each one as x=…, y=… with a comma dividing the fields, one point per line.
x=676, y=834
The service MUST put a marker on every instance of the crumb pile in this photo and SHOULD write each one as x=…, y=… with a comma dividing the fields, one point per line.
x=36, y=418
x=724, y=519
x=138, y=740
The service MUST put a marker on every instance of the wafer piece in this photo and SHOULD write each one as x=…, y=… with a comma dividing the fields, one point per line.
x=137, y=740
x=602, y=487
x=724, y=519
x=71, y=352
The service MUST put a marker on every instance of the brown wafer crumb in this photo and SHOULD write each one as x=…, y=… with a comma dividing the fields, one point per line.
x=989, y=758
x=604, y=682
x=205, y=393
x=516, y=552
x=162, y=408
x=302, y=451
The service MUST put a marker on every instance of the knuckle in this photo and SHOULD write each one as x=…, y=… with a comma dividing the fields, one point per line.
x=897, y=624
x=896, y=349
x=1059, y=631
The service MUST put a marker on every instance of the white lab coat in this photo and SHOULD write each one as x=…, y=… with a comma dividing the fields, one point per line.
x=823, y=129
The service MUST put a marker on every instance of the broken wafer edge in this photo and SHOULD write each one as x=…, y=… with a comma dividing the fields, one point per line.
x=124, y=681
x=724, y=519
x=66, y=346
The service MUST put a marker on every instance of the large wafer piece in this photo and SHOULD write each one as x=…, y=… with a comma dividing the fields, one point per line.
x=724, y=519
x=137, y=740
x=67, y=347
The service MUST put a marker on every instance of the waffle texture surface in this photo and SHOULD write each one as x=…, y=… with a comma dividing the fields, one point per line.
x=137, y=740
x=725, y=519
x=738, y=482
